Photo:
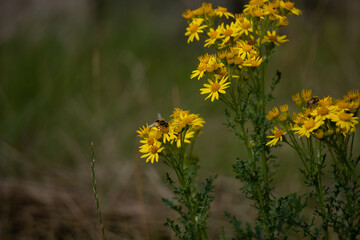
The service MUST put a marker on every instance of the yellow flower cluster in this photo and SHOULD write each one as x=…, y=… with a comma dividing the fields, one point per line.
x=321, y=118
x=161, y=135
x=239, y=41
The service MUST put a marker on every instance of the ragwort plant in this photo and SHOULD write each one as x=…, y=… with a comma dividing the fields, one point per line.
x=325, y=126
x=174, y=142
x=243, y=45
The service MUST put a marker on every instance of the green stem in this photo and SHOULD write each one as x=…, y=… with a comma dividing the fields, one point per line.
x=320, y=186
x=93, y=179
x=321, y=202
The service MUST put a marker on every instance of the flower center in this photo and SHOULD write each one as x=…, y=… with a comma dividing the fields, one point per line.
x=222, y=9
x=273, y=38
x=194, y=28
x=343, y=105
x=247, y=48
x=202, y=67
x=256, y=2
x=289, y=5
x=213, y=34
x=258, y=13
x=215, y=87
x=279, y=133
x=150, y=141
x=228, y=32
x=344, y=117
x=189, y=119
x=245, y=25
x=154, y=149
x=309, y=124
x=323, y=111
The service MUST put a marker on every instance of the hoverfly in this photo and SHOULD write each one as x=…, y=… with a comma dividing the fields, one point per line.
x=160, y=122
x=312, y=101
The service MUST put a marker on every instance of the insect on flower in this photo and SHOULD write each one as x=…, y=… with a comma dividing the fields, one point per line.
x=160, y=122
x=312, y=101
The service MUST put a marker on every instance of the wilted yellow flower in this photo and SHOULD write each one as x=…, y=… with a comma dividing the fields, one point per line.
x=273, y=113
x=297, y=99
x=284, y=108
x=306, y=94
x=319, y=134
x=353, y=94
x=188, y=14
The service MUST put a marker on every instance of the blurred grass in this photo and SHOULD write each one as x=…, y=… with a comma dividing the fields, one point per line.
x=73, y=73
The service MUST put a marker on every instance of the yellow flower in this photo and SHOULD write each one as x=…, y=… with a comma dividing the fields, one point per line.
x=353, y=94
x=152, y=152
x=284, y=108
x=271, y=9
x=283, y=21
x=344, y=120
x=188, y=135
x=254, y=4
x=207, y=9
x=273, y=113
x=325, y=102
x=306, y=94
x=198, y=123
x=213, y=36
x=204, y=58
x=308, y=127
x=245, y=49
x=278, y=135
x=213, y=64
x=319, y=134
x=199, y=72
x=222, y=54
x=322, y=112
x=182, y=118
x=290, y=7
x=214, y=88
x=148, y=142
x=274, y=38
x=253, y=62
x=155, y=132
x=188, y=14
x=245, y=26
x=341, y=104
x=221, y=11
x=297, y=99
x=194, y=29
x=257, y=11
x=229, y=31
x=142, y=132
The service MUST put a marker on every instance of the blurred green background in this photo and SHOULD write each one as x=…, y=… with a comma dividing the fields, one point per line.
x=76, y=72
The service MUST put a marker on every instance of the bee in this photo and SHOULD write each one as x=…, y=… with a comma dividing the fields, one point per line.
x=160, y=122
x=312, y=101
